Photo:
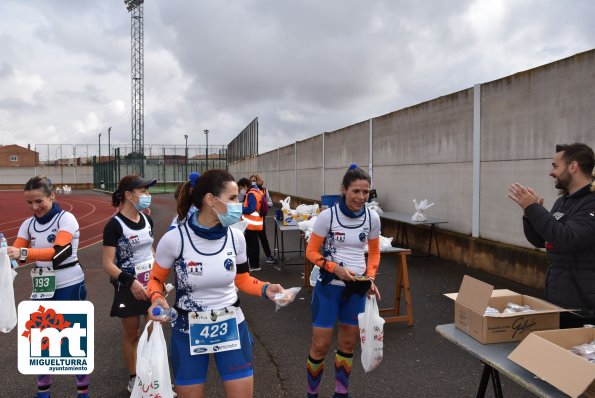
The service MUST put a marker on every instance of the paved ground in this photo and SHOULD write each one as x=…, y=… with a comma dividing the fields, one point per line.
x=417, y=361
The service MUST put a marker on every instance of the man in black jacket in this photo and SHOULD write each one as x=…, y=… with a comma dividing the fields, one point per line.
x=567, y=232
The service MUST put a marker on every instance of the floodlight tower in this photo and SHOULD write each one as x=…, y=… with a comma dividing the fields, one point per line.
x=135, y=7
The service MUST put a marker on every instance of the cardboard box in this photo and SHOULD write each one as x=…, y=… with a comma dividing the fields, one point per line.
x=288, y=218
x=547, y=355
x=473, y=298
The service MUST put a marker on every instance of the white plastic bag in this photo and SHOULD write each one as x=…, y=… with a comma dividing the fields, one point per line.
x=285, y=203
x=240, y=225
x=371, y=333
x=152, y=365
x=8, y=311
x=419, y=210
x=283, y=299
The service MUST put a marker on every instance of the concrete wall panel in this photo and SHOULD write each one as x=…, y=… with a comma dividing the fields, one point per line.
x=525, y=115
x=448, y=186
x=309, y=153
x=437, y=131
x=348, y=145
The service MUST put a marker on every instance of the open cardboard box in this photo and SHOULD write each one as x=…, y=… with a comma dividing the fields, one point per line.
x=547, y=355
x=473, y=298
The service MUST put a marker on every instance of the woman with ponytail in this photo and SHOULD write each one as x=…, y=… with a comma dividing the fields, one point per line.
x=50, y=239
x=342, y=232
x=210, y=261
x=128, y=258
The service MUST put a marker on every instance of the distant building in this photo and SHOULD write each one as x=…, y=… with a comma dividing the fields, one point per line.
x=17, y=156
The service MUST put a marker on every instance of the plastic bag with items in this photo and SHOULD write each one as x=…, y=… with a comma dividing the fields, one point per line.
x=374, y=206
x=371, y=332
x=419, y=210
x=385, y=243
x=8, y=312
x=152, y=365
x=287, y=296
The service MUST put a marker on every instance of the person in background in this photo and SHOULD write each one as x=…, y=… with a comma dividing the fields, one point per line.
x=251, y=214
x=51, y=239
x=262, y=235
x=128, y=258
x=243, y=185
x=567, y=232
x=210, y=264
x=342, y=231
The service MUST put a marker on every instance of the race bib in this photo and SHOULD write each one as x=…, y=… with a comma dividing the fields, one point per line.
x=213, y=331
x=44, y=283
x=142, y=272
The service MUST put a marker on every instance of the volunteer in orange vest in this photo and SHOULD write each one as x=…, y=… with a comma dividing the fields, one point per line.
x=262, y=235
x=251, y=214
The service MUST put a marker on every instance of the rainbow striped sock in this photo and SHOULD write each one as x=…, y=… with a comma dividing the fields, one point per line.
x=343, y=364
x=315, y=369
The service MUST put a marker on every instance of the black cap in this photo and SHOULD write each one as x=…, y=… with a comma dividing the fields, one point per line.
x=139, y=183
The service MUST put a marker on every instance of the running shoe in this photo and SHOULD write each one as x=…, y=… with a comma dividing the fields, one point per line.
x=271, y=260
x=255, y=268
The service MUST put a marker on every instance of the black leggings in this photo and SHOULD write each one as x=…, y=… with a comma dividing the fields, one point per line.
x=262, y=236
x=253, y=248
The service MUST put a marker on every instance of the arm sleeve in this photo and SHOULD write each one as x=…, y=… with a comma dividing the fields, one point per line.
x=62, y=239
x=21, y=242
x=157, y=278
x=373, y=257
x=249, y=284
x=575, y=233
x=531, y=234
x=313, y=253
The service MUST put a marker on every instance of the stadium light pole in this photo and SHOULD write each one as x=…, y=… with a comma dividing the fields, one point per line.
x=207, y=152
x=186, y=138
x=99, y=160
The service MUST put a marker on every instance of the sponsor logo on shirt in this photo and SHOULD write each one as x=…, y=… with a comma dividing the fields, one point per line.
x=194, y=268
x=339, y=236
x=51, y=238
x=133, y=239
x=228, y=264
x=557, y=215
x=362, y=237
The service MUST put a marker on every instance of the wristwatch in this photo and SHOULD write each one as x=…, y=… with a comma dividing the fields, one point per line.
x=24, y=252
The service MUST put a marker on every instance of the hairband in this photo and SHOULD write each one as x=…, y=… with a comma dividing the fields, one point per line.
x=353, y=166
x=193, y=177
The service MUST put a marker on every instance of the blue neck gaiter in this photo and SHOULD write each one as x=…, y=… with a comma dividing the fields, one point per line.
x=50, y=214
x=345, y=210
x=214, y=233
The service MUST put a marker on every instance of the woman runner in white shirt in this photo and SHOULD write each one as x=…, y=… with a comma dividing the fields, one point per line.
x=51, y=239
x=210, y=261
x=342, y=232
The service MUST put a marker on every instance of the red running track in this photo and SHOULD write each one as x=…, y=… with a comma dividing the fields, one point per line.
x=91, y=209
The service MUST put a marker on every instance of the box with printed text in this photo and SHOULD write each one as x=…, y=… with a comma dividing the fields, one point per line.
x=475, y=296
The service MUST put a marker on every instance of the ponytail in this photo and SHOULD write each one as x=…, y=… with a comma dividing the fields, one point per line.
x=184, y=200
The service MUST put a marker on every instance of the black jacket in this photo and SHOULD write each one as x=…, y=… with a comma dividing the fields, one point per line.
x=568, y=234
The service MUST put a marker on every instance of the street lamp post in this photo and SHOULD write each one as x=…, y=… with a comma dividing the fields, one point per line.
x=186, y=138
x=109, y=144
x=207, y=152
x=99, y=160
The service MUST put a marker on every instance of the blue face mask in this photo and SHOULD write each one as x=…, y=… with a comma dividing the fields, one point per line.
x=233, y=215
x=144, y=201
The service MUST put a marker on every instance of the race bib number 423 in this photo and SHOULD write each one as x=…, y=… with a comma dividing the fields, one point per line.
x=214, y=331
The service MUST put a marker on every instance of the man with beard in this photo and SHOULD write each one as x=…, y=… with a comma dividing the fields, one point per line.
x=567, y=232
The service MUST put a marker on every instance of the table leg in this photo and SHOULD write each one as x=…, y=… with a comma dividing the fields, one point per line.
x=282, y=250
x=392, y=314
x=405, y=285
x=489, y=372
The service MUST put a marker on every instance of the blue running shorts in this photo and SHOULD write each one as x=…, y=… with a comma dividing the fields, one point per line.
x=327, y=305
x=192, y=369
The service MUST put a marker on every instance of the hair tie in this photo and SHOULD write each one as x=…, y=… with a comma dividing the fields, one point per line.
x=193, y=177
x=353, y=166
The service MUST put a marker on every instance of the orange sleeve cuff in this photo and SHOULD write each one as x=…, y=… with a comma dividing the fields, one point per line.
x=62, y=239
x=313, y=253
x=20, y=243
x=157, y=278
x=373, y=257
x=249, y=284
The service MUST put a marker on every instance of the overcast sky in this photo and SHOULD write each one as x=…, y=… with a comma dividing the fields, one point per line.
x=301, y=67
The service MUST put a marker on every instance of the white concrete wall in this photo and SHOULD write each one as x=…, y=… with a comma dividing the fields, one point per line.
x=426, y=151
x=59, y=175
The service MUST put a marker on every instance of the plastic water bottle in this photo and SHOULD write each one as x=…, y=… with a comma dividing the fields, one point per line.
x=165, y=314
x=314, y=275
x=4, y=244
